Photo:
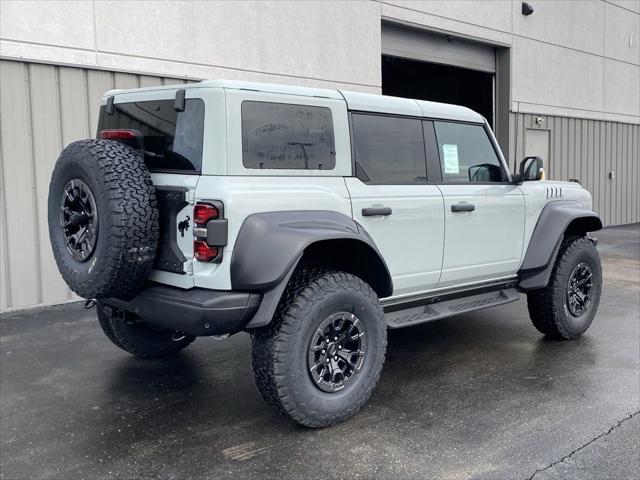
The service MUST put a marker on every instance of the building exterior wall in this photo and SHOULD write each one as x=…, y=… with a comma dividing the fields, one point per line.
x=576, y=59
x=574, y=64
x=588, y=150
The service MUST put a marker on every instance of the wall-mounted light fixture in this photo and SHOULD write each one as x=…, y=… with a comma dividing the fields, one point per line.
x=527, y=9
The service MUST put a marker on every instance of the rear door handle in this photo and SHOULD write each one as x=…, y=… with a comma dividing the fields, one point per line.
x=373, y=211
x=463, y=207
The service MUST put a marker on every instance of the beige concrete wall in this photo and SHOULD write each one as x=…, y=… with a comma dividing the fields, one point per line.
x=570, y=58
x=310, y=43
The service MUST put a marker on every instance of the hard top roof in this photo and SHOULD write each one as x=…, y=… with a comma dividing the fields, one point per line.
x=367, y=102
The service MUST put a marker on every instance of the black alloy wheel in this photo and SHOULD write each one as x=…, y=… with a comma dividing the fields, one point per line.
x=336, y=351
x=579, y=289
x=79, y=219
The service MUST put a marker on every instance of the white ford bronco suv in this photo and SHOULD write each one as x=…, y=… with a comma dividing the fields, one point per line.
x=314, y=220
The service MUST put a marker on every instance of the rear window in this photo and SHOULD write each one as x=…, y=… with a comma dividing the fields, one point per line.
x=172, y=140
x=287, y=136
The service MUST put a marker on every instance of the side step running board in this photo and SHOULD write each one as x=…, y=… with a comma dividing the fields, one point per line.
x=447, y=308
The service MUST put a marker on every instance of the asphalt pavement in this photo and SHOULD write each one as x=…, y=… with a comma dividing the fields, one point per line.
x=479, y=396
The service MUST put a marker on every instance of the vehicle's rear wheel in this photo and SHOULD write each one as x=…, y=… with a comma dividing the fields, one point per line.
x=103, y=218
x=320, y=358
x=139, y=338
x=567, y=306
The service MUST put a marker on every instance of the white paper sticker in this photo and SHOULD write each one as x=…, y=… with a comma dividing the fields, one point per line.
x=450, y=154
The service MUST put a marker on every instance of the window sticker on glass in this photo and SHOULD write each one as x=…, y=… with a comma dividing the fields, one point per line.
x=450, y=155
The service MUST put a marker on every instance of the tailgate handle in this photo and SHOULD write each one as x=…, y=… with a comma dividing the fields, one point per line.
x=463, y=207
x=373, y=211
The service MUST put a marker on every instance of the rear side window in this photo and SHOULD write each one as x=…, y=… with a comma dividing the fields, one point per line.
x=286, y=136
x=388, y=150
x=466, y=154
x=172, y=140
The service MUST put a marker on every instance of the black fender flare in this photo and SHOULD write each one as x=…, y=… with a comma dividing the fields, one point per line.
x=270, y=245
x=556, y=219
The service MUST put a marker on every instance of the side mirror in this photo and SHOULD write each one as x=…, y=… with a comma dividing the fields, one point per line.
x=531, y=169
x=485, y=172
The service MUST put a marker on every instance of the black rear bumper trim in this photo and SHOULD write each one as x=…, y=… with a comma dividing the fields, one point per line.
x=197, y=311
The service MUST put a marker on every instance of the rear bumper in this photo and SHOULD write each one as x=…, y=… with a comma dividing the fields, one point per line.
x=197, y=312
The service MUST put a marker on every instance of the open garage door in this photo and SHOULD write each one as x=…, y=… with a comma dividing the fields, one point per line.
x=438, y=67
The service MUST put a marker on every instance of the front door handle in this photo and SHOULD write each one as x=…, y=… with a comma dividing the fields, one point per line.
x=463, y=207
x=373, y=211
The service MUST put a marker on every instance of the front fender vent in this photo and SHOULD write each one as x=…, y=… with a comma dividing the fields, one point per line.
x=554, y=192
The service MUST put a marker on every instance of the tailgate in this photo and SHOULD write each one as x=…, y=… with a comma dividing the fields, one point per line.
x=175, y=194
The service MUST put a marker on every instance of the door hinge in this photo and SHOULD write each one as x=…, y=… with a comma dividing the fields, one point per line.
x=188, y=267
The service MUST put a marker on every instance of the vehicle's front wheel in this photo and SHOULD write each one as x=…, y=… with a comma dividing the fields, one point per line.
x=320, y=358
x=567, y=306
x=139, y=338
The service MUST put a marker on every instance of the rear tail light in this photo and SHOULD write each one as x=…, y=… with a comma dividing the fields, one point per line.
x=203, y=212
x=133, y=138
x=204, y=252
x=117, y=134
x=210, y=231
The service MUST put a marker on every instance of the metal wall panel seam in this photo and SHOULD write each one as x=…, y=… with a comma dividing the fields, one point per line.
x=34, y=194
x=5, y=288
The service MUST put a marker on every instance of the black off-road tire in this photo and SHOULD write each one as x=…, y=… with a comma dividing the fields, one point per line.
x=280, y=350
x=548, y=307
x=127, y=218
x=138, y=338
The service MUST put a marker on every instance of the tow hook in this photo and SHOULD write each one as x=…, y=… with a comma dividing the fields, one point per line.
x=90, y=303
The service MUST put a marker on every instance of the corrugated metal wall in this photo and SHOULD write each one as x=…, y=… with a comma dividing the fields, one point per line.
x=42, y=109
x=588, y=150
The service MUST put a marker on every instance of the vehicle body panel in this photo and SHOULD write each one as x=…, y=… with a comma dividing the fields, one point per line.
x=411, y=238
x=247, y=195
x=187, y=183
x=486, y=243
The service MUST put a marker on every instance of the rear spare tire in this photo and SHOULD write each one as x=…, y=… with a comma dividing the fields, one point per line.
x=103, y=218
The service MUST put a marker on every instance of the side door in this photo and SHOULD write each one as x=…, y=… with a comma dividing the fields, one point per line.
x=392, y=199
x=484, y=212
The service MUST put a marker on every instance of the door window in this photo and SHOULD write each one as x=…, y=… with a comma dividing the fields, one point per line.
x=467, y=155
x=388, y=150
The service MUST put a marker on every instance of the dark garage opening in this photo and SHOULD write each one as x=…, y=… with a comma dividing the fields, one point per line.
x=439, y=83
